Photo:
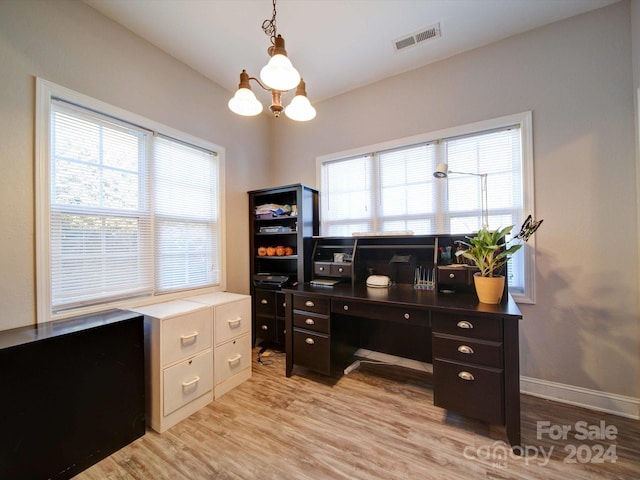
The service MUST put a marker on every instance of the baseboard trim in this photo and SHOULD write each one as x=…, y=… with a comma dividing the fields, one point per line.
x=621, y=405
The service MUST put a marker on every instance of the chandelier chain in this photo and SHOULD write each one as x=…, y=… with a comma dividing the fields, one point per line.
x=269, y=26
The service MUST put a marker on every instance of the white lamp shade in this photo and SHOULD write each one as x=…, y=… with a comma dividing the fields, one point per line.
x=244, y=102
x=441, y=171
x=300, y=109
x=279, y=74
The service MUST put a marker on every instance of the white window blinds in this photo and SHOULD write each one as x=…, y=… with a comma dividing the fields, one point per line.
x=99, y=207
x=393, y=189
x=131, y=213
x=185, y=179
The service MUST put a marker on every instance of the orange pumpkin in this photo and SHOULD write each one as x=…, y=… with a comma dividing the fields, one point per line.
x=280, y=251
x=288, y=251
x=262, y=251
x=271, y=251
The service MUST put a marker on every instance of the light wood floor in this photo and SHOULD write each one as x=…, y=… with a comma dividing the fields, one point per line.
x=378, y=422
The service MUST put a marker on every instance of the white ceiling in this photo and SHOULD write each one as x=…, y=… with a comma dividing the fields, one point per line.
x=336, y=45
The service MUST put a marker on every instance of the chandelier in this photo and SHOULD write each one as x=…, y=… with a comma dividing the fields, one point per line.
x=278, y=76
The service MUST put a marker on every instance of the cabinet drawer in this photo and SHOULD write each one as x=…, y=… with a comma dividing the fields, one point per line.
x=232, y=357
x=482, y=352
x=312, y=350
x=231, y=319
x=187, y=381
x=186, y=335
x=322, y=269
x=341, y=270
x=309, y=321
x=468, y=326
x=265, y=302
x=477, y=392
x=453, y=275
x=266, y=328
x=311, y=304
x=400, y=314
x=281, y=304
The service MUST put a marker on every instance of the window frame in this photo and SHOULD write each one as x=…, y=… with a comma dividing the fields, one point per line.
x=525, y=120
x=45, y=92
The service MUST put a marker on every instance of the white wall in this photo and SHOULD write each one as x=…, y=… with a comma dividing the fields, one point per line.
x=71, y=44
x=576, y=77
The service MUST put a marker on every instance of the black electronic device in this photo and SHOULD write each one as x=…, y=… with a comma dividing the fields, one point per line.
x=267, y=280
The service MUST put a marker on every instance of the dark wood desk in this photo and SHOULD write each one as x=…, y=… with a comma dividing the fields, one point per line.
x=474, y=347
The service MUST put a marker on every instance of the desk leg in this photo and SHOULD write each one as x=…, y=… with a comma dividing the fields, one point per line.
x=512, y=381
x=288, y=337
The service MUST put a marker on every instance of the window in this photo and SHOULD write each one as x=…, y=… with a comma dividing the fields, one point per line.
x=391, y=187
x=123, y=212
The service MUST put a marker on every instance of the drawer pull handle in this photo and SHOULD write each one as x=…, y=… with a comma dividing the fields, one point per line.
x=235, y=358
x=192, y=382
x=466, y=376
x=407, y=316
x=465, y=349
x=309, y=321
x=264, y=327
x=189, y=336
x=235, y=322
x=345, y=307
x=309, y=341
x=309, y=303
x=465, y=324
x=321, y=269
x=341, y=269
x=284, y=304
x=452, y=275
x=264, y=301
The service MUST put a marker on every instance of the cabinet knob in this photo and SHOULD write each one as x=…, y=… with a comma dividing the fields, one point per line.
x=321, y=269
x=465, y=324
x=452, y=275
x=466, y=376
x=345, y=307
x=309, y=341
x=309, y=303
x=284, y=304
x=466, y=349
x=341, y=269
x=309, y=321
x=264, y=327
x=407, y=316
x=264, y=301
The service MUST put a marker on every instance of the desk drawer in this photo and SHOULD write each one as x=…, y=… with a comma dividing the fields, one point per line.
x=312, y=350
x=341, y=270
x=400, y=314
x=462, y=349
x=309, y=321
x=311, y=304
x=477, y=392
x=468, y=326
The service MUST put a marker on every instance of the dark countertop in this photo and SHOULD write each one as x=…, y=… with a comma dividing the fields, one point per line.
x=23, y=335
x=405, y=294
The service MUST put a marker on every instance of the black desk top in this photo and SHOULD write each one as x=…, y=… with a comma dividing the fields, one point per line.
x=23, y=335
x=405, y=294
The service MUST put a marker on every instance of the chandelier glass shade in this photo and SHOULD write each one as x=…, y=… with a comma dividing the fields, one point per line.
x=278, y=76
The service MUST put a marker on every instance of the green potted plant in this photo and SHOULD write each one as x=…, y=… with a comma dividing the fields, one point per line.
x=489, y=252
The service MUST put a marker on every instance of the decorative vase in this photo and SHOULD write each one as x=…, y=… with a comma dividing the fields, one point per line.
x=489, y=289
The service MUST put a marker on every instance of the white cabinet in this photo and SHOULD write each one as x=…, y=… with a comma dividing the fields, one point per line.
x=196, y=349
x=231, y=338
x=178, y=360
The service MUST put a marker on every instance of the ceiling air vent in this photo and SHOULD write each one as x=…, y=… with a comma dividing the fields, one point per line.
x=428, y=33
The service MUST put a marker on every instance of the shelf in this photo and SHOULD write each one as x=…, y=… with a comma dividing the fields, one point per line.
x=273, y=219
x=277, y=257
x=265, y=234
